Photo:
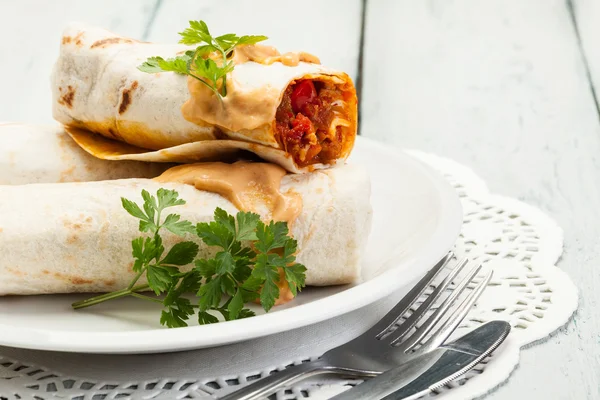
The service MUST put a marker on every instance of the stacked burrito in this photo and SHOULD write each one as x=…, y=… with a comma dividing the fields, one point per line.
x=62, y=227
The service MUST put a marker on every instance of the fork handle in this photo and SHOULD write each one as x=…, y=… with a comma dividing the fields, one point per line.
x=269, y=385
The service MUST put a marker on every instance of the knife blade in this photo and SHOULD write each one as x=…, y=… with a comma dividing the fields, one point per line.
x=432, y=370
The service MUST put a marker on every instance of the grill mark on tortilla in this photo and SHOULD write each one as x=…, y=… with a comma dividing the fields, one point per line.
x=75, y=226
x=65, y=175
x=126, y=97
x=66, y=99
x=16, y=271
x=72, y=238
x=108, y=41
x=76, y=39
x=75, y=280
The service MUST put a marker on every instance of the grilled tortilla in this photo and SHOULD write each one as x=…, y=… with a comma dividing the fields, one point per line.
x=46, y=154
x=79, y=240
x=288, y=109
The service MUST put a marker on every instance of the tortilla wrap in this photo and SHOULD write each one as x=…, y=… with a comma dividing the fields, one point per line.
x=46, y=154
x=77, y=239
x=98, y=88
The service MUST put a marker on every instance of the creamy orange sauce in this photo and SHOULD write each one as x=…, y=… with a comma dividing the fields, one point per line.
x=241, y=110
x=245, y=110
x=249, y=186
x=268, y=55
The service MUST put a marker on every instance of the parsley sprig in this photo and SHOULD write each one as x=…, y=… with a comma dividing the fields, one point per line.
x=197, y=63
x=251, y=260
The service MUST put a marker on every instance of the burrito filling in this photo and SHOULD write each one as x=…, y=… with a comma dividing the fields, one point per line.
x=312, y=121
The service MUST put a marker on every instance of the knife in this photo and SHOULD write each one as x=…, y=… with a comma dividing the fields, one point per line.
x=434, y=369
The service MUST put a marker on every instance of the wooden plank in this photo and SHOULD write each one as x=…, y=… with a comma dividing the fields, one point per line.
x=31, y=32
x=587, y=17
x=331, y=30
x=500, y=85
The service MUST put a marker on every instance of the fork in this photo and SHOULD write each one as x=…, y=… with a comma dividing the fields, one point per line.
x=381, y=347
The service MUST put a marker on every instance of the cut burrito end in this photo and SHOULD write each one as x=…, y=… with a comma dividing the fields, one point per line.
x=312, y=119
x=316, y=121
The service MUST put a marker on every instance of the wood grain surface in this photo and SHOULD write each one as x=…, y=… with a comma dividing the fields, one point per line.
x=502, y=86
x=506, y=87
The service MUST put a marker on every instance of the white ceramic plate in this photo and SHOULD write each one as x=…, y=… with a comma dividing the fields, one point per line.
x=416, y=219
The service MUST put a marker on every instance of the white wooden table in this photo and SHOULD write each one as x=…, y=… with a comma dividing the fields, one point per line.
x=506, y=87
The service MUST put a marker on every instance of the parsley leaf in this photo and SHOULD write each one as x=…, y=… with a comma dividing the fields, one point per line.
x=133, y=209
x=271, y=236
x=143, y=252
x=189, y=284
x=150, y=204
x=177, y=313
x=182, y=253
x=159, y=278
x=214, y=234
x=178, y=64
x=137, y=246
x=180, y=228
x=295, y=275
x=168, y=198
x=269, y=275
x=225, y=263
x=179, y=309
x=242, y=269
x=221, y=217
x=197, y=33
x=251, y=39
x=210, y=71
x=206, y=268
x=245, y=313
x=210, y=294
x=252, y=261
x=235, y=305
x=206, y=318
x=247, y=222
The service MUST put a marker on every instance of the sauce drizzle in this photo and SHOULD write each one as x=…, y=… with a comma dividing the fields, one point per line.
x=249, y=186
x=268, y=55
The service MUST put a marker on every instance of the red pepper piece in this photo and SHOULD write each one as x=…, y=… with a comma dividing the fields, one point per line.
x=304, y=93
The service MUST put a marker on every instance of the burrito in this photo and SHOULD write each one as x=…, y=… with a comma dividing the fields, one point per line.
x=46, y=154
x=78, y=239
x=286, y=108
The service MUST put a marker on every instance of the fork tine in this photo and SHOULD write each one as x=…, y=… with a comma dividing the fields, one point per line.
x=407, y=301
x=422, y=331
x=419, y=313
x=457, y=315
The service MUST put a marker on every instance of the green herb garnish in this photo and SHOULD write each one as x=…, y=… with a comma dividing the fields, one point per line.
x=196, y=63
x=251, y=258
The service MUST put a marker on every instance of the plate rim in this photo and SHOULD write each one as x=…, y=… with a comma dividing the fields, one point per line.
x=162, y=340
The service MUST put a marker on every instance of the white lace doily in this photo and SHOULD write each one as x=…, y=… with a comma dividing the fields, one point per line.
x=519, y=242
